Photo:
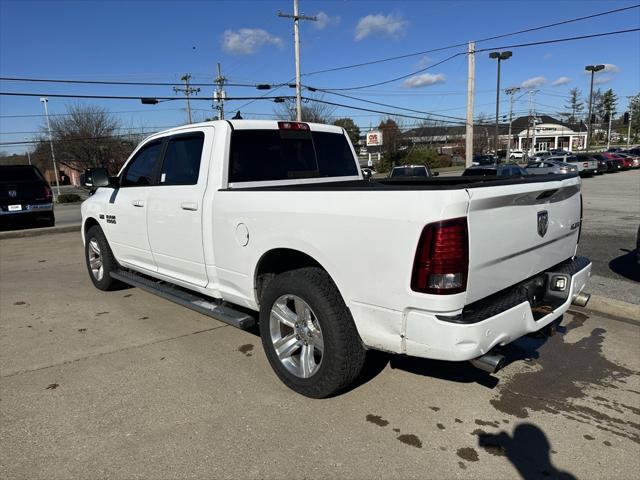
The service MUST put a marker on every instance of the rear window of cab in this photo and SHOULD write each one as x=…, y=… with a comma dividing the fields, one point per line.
x=267, y=155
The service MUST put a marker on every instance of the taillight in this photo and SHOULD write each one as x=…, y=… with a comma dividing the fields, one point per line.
x=48, y=194
x=293, y=126
x=442, y=258
x=580, y=227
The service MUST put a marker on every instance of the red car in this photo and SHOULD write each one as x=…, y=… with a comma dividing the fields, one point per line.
x=626, y=163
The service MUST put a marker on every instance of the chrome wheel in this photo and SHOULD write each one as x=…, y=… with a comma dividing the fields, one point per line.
x=296, y=336
x=95, y=260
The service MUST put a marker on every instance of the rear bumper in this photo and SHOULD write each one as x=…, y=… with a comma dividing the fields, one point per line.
x=495, y=321
x=27, y=209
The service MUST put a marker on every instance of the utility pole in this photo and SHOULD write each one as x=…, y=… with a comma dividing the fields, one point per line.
x=470, y=86
x=296, y=39
x=511, y=92
x=631, y=106
x=532, y=120
x=28, y=152
x=187, y=90
x=219, y=95
x=44, y=101
x=609, y=113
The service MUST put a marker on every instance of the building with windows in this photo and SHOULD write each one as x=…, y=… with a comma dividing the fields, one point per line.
x=546, y=133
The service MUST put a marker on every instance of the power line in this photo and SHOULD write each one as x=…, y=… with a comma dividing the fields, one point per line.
x=390, y=106
x=125, y=97
x=397, y=78
x=434, y=50
x=109, y=82
x=558, y=40
x=98, y=113
x=396, y=114
x=521, y=45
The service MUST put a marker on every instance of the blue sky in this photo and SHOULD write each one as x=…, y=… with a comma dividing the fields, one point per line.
x=159, y=41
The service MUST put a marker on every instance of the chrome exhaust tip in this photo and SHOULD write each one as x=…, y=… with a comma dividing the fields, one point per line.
x=490, y=362
x=581, y=299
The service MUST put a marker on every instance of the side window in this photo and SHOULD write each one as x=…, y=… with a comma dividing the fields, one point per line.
x=139, y=173
x=181, y=164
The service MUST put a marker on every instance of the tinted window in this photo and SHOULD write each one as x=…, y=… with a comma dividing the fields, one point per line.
x=19, y=174
x=141, y=168
x=181, y=163
x=261, y=155
x=473, y=172
x=409, y=172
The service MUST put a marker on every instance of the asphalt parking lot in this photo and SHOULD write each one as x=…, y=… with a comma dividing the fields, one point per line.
x=127, y=385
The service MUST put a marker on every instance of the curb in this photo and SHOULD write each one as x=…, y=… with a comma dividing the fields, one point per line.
x=36, y=232
x=614, y=308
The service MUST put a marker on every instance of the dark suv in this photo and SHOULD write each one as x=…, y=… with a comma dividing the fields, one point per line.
x=25, y=195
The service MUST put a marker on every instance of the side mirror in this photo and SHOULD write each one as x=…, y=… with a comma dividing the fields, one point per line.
x=96, y=178
x=366, y=173
x=435, y=174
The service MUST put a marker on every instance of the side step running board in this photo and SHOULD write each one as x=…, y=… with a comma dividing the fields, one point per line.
x=190, y=300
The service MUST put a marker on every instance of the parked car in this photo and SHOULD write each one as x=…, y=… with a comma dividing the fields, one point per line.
x=635, y=161
x=502, y=170
x=516, y=155
x=625, y=162
x=25, y=196
x=486, y=159
x=603, y=166
x=407, y=171
x=547, y=167
x=538, y=156
x=586, y=164
x=266, y=222
x=613, y=164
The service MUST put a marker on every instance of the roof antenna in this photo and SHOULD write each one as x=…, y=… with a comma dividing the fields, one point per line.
x=237, y=116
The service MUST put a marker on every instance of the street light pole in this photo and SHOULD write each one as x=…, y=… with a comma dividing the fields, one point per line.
x=593, y=69
x=499, y=56
x=44, y=101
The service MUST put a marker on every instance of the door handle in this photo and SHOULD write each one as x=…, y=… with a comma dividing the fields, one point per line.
x=138, y=203
x=191, y=206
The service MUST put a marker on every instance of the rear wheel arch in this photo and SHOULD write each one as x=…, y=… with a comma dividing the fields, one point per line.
x=277, y=261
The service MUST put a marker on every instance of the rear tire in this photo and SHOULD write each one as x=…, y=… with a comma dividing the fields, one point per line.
x=100, y=260
x=308, y=333
x=50, y=220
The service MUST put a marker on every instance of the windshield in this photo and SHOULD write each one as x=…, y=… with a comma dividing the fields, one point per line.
x=409, y=172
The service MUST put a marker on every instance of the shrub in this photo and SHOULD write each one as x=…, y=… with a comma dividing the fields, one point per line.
x=69, y=198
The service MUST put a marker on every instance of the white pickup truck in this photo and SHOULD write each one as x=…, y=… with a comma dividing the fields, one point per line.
x=231, y=218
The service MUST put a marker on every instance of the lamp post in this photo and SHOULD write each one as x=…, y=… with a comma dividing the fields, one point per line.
x=44, y=101
x=499, y=56
x=593, y=69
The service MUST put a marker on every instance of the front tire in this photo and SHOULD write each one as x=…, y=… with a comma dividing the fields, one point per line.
x=100, y=260
x=308, y=333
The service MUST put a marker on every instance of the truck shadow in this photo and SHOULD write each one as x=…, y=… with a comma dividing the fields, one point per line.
x=528, y=449
x=626, y=265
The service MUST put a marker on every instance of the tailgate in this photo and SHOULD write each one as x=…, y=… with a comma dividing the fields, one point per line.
x=519, y=230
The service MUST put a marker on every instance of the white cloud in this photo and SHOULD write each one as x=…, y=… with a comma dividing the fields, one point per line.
x=534, y=82
x=387, y=25
x=247, y=40
x=611, y=68
x=547, y=56
x=601, y=80
x=561, y=81
x=424, y=80
x=424, y=61
x=323, y=21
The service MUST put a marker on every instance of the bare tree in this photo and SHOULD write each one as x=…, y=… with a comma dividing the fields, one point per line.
x=86, y=137
x=312, y=111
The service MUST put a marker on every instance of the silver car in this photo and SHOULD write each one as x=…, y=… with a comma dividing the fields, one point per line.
x=546, y=167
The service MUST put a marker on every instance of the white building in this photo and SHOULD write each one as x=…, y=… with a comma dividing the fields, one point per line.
x=551, y=134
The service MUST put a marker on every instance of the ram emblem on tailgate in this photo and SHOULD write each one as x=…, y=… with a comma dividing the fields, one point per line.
x=543, y=222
